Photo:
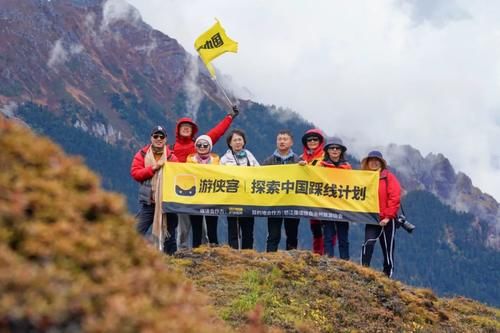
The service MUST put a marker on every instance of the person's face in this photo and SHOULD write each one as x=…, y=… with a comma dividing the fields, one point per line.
x=202, y=147
x=185, y=130
x=158, y=140
x=334, y=152
x=312, y=142
x=374, y=164
x=237, y=142
x=284, y=142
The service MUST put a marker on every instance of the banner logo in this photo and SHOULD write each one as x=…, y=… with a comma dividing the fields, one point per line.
x=185, y=185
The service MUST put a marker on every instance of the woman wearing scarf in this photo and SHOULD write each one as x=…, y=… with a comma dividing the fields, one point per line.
x=203, y=155
x=334, y=158
x=147, y=168
x=239, y=156
x=313, y=143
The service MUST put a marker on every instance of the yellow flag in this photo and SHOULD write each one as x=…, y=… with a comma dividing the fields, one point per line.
x=212, y=43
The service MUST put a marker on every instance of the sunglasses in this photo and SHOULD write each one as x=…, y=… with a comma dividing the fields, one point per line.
x=158, y=136
x=202, y=145
x=312, y=139
x=334, y=148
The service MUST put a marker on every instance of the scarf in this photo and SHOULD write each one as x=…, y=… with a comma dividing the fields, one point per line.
x=159, y=229
x=203, y=159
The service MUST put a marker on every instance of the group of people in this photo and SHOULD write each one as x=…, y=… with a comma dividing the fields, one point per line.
x=189, y=148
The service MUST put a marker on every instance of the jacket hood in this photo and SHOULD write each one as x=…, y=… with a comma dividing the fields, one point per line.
x=313, y=132
x=189, y=121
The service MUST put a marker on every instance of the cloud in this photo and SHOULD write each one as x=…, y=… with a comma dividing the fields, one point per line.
x=148, y=48
x=193, y=92
x=374, y=72
x=118, y=10
x=57, y=55
x=436, y=12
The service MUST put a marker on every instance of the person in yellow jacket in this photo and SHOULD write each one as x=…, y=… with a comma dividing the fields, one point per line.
x=203, y=155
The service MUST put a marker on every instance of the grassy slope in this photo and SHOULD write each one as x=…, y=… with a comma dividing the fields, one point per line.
x=299, y=291
x=70, y=259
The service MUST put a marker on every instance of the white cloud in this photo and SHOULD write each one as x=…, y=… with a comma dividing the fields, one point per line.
x=58, y=55
x=425, y=73
x=118, y=10
x=193, y=92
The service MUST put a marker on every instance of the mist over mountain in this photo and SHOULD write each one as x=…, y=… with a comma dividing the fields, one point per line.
x=95, y=78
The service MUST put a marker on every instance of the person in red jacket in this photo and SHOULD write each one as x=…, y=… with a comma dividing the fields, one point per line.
x=334, y=158
x=313, y=142
x=185, y=136
x=389, y=193
x=186, y=131
x=146, y=168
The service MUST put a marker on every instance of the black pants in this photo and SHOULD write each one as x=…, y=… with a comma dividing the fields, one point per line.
x=386, y=238
x=237, y=226
x=274, y=233
x=197, y=226
x=343, y=239
x=145, y=221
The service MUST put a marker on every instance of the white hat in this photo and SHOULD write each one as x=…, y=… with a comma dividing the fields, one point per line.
x=204, y=138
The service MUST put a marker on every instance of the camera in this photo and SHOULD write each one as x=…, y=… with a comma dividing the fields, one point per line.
x=402, y=222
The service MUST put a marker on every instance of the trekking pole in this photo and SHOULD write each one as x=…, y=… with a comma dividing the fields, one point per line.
x=223, y=92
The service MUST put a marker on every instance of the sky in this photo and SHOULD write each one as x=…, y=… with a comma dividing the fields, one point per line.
x=418, y=72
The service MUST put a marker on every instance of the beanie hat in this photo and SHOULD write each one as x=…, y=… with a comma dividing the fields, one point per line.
x=373, y=154
x=335, y=142
x=204, y=138
x=158, y=129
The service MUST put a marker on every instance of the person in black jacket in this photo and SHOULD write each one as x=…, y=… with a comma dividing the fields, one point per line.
x=282, y=155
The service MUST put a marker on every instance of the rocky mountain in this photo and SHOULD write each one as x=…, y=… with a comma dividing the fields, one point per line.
x=92, y=76
x=71, y=261
x=97, y=59
x=434, y=173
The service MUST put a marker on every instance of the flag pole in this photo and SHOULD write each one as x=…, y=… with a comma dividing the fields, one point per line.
x=223, y=91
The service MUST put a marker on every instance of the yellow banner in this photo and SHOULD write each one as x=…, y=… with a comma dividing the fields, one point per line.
x=272, y=191
x=212, y=43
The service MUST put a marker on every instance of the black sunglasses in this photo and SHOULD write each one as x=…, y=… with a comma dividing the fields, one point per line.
x=313, y=138
x=202, y=145
x=334, y=148
x=158, y=136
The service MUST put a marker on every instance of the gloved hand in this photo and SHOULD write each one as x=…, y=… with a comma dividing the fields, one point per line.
x=235, y=111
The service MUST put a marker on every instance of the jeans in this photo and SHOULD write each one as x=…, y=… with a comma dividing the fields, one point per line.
x=145, y=221
x=184, y=228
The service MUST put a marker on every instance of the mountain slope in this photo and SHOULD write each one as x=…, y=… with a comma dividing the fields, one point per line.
x=301, y=292
x=70, y=260
x=96, y=79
